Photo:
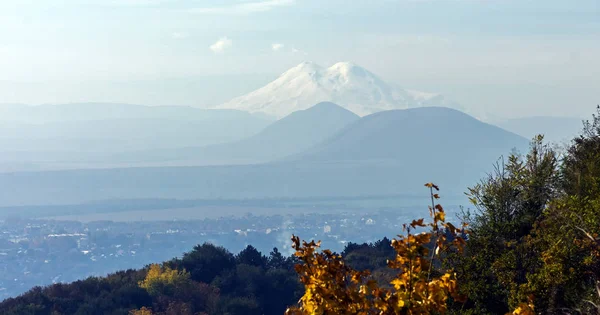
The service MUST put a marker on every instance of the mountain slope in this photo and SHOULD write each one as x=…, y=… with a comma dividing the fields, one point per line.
x=289, y=135
x=403, y=148
x=344, y=83
x=412, y=135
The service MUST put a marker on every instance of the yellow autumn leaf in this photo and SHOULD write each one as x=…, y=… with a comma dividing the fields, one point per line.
x=440, y=216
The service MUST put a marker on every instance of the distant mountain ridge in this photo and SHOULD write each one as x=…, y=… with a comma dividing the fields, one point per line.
x=412, y=134
x=81, y=135
x=290, y=135
x=385, y=153
x=105, y=111
x=344, y=83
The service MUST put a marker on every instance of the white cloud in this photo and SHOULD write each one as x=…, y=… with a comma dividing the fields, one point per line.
x=277, y=46
x=245, y=8
x=221, y=45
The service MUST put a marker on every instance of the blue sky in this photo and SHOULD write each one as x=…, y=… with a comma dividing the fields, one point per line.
x=538, y=57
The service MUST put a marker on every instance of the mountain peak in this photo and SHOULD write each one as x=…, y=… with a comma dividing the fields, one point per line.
x=344, y=66
x=327, y=108
x=345, y=83
x=304, y=67
x=327, y=105
x=309, y=64
x=350, y=70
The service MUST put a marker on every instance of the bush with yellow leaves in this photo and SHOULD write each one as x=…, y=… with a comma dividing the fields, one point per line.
x=141, y=311
x=164, y=280
x=420, y=286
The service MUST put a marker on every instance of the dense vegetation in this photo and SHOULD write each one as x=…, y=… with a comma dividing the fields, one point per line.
x=208, y=279
x=529, y=246
x=533, y=232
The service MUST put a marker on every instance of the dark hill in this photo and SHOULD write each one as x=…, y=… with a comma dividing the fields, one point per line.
x=414, y=135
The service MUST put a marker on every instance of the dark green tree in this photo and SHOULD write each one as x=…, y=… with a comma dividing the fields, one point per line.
x=507, y=204
x=205, y=262
x=251, y=256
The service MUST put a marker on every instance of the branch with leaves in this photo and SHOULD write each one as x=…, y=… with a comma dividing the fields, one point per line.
x=332, y=287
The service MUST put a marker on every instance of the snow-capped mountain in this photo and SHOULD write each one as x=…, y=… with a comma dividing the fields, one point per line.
x=344, y=83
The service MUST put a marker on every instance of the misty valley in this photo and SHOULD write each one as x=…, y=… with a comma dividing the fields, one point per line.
x=323, y=172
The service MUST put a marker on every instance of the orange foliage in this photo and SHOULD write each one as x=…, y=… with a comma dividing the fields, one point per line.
x=332, y=287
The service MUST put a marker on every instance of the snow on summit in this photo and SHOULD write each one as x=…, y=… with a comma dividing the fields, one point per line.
x=344, y=83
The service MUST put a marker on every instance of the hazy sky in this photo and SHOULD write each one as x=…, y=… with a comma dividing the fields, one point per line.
x=513, y=57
